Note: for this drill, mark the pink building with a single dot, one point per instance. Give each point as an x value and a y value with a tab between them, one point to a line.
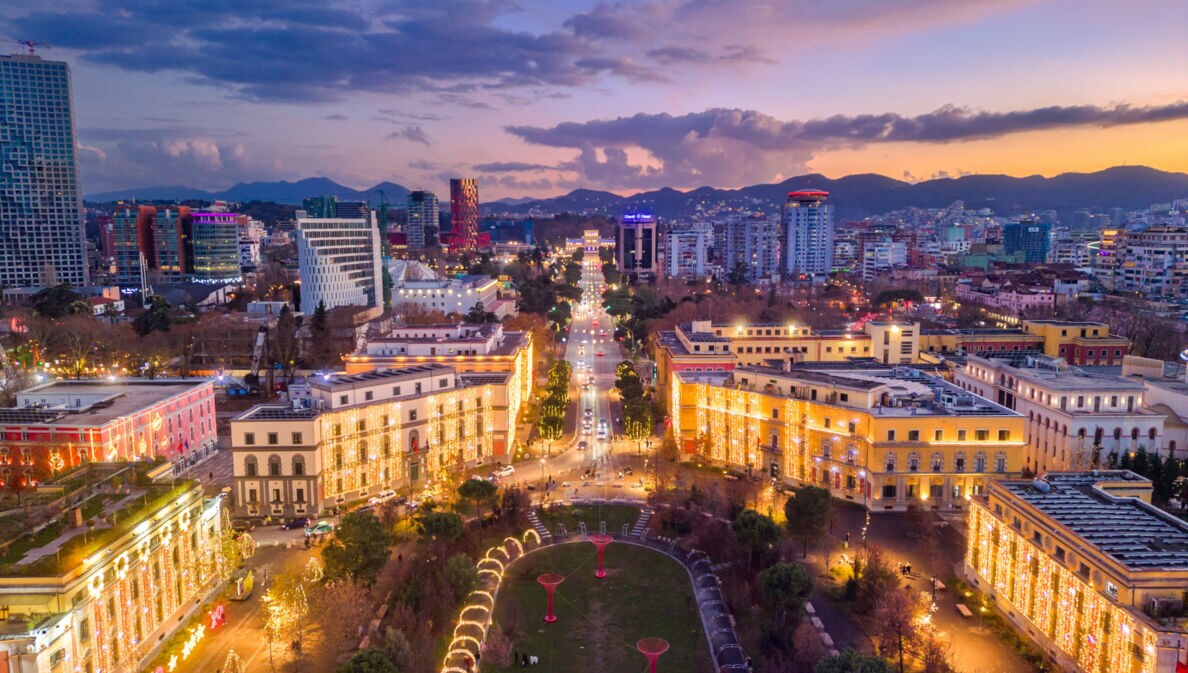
62	424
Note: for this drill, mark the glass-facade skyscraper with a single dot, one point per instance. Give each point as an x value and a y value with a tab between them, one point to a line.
464	210
422	219
1030	237
42	235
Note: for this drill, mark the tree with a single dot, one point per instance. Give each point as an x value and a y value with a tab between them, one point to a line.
285	609
359	549
755	532
808	513
852	662
478	492
876	578
550	427
785	587
461	574
888	297
319	321
55	301
395	644
479	314
738	274
350	604
286	345
440	526
896	626
370	660
156	316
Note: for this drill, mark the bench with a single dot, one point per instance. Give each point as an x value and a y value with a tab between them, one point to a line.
964	610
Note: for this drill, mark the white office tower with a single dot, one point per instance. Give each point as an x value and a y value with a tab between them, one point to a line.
685	252
339	261
754	243
421	227
808	235
42	238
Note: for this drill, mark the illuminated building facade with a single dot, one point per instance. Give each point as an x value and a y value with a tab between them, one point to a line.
1079	343
350	436
888	437
707	346
808	235
339	261
111	612
1083	565
469	349
464	213
215	243
636	246
60	425
421	226
1075	420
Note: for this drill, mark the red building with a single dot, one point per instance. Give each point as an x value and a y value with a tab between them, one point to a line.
464	212
62	424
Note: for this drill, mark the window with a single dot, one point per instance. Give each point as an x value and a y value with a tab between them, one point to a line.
1004	435
913	435
890	462
395	391
274	466
300	495
961	435
844	397
276	495
890	435
889	491
252	495
775	413
938	435
84	630
959	462
938	461
367	396
827	422
1037	537
337	429
249	438
362	452
412	414
297	438
913	462
981	435
343	399
417	388
980	462
299	466
1000	462
273	438
250	467
442	383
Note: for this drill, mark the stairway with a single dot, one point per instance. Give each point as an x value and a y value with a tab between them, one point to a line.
641	524
539	527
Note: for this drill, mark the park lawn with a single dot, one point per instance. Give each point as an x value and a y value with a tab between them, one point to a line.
614	516
600	620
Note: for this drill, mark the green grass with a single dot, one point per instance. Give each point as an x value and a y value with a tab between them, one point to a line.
614	516
646	594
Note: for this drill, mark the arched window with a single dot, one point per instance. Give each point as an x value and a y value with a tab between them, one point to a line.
299	465
362	452
891	460
1134	434
1151	434
250	467
1171	448
959	461
980	461
913	462
826	449
1098	434
938	461
851	454
1117	434
274	465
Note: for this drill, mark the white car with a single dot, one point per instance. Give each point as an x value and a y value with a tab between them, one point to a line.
505	471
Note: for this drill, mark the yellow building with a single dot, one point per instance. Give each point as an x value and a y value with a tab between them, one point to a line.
346	437
1082	564
109	612
468	348
886	437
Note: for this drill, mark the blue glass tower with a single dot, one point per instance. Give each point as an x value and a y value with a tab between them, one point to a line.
42	234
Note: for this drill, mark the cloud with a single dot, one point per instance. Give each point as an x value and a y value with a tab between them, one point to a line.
335	118
731	146
510	167
197	162
413	133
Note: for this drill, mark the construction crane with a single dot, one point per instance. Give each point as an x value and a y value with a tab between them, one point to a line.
30	45
253	377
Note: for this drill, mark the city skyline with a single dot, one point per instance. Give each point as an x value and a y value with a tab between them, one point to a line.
551	97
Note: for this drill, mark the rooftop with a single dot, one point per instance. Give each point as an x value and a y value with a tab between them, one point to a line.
1132	532
91	402
343	381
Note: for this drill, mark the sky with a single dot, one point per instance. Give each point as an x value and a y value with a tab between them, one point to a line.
539	98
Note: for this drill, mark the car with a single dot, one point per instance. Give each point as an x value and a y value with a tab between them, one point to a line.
583	445
600	353
243	526
299	522
602	333
320	528
587	430
381	497
589	413
505	471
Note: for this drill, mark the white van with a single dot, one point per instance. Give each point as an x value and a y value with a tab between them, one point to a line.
505	471
381	497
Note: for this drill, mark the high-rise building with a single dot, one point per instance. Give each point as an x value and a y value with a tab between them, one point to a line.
1153	262
162	235
808	234
42	234
215	240
339	262
464	210
1031	237
754	243
881	256
685	252
635	245
421	226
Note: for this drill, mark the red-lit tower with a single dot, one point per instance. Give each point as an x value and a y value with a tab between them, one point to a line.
464	213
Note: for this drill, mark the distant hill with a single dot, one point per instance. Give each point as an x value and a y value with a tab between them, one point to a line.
857	196
853	196
284	192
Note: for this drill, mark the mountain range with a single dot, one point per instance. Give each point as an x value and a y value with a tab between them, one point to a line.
854	196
